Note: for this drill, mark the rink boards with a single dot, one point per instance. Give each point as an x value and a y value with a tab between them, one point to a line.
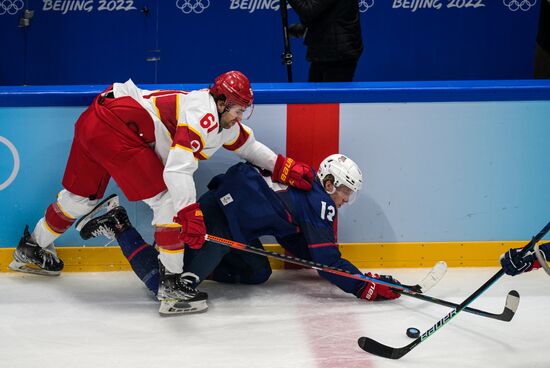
452	169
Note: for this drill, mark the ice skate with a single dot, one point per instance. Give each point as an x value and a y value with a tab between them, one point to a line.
29	257
177	294
102	207
109	224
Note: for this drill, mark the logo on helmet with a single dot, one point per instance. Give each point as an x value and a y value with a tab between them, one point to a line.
344	171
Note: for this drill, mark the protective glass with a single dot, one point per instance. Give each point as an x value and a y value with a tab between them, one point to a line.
242	113
346	193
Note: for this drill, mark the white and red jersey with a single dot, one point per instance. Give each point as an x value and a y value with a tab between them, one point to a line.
186	130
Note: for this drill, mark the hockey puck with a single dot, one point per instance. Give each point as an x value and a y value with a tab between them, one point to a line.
413	333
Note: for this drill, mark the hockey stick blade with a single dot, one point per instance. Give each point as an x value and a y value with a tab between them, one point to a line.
377	348
374	347
433	277
512	303
510	307
384	351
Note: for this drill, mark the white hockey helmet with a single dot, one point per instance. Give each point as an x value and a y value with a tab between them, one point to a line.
344	170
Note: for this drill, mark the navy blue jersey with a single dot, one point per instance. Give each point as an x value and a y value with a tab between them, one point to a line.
302	222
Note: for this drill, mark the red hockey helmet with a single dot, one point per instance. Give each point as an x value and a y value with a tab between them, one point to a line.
235	86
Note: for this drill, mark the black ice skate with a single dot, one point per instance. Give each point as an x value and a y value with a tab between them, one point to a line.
110	224
102	208
178	295
29	257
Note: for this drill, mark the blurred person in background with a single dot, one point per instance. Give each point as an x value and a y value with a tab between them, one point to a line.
542	52
332	34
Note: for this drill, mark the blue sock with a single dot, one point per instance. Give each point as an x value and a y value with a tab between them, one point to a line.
142	257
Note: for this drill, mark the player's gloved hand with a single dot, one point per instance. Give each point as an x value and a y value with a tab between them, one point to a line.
293	173
371	291
514	263
297	30
192	225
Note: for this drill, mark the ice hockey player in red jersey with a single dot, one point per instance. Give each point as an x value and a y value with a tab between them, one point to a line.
150	142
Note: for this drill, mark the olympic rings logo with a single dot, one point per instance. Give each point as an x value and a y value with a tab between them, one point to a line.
365	5
515	5
11	6
192	6
16	163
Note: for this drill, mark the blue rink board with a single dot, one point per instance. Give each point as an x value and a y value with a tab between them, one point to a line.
270	93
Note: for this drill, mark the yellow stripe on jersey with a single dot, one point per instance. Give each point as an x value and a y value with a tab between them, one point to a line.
168	225
178	108
157	111
47	227
241	139
162	250
174	146
193	130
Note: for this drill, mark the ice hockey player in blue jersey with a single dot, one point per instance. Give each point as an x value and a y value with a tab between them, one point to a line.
243	205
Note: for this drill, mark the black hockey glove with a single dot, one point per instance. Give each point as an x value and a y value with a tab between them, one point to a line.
514	263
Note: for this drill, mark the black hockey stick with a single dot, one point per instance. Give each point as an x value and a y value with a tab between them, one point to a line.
512	300
287	54
374	347
433	277
510	307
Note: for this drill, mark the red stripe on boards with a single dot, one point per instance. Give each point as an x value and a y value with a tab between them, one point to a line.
312	133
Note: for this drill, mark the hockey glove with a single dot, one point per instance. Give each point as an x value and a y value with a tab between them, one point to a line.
293	173
371	291
514	263
192	225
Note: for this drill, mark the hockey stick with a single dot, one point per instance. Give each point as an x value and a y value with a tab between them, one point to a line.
433	277
510	307
374	347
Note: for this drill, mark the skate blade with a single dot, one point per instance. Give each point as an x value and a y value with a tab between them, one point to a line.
175	307
106	205
32	269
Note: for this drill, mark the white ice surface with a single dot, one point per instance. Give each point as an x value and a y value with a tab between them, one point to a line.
100	320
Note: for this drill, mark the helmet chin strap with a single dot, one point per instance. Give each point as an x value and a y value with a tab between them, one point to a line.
220	114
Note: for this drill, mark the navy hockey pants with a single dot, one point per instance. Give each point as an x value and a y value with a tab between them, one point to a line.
222	263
